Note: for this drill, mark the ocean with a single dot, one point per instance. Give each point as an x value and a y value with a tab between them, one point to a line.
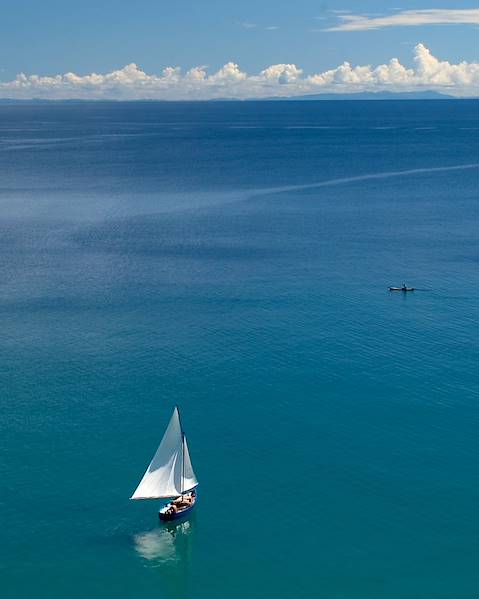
234	258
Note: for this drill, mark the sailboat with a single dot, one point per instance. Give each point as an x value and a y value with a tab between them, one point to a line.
170	474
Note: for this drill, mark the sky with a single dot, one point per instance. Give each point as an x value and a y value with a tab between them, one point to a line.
213	49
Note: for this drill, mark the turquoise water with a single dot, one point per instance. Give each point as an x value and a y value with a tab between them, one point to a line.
234	258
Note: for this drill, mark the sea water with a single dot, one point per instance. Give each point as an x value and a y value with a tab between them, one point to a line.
235	258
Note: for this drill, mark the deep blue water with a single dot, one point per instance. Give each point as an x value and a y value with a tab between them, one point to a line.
234	258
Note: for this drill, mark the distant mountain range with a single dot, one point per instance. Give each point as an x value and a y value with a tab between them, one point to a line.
424	95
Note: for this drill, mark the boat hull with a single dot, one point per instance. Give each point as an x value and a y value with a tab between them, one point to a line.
176	515
401	289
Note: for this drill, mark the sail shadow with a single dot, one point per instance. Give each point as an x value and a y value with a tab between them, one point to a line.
167	544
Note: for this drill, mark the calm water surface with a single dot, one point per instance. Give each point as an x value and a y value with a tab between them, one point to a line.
234	258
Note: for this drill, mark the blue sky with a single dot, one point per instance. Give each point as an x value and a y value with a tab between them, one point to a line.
52	37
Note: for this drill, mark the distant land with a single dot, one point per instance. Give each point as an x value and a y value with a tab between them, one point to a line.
425	95
385	95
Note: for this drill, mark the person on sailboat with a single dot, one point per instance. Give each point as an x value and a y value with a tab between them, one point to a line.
182	500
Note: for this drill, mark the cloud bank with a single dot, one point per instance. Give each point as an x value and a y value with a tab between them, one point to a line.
279	80
408	18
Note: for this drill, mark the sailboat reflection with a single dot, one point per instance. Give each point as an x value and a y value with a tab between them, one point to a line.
169	543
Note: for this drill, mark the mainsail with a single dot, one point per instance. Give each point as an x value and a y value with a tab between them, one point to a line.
170	472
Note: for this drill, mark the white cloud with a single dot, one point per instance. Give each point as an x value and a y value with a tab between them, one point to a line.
248	25
432	16
282	73
284	80
229	73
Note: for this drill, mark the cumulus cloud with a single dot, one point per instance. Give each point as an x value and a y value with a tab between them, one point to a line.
282	73
284	80
432	16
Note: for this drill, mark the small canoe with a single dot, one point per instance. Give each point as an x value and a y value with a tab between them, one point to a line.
401	289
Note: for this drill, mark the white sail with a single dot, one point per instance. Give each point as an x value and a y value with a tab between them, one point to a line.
189	480
163	477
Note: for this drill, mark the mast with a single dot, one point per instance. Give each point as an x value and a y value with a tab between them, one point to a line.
182	452
183	457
